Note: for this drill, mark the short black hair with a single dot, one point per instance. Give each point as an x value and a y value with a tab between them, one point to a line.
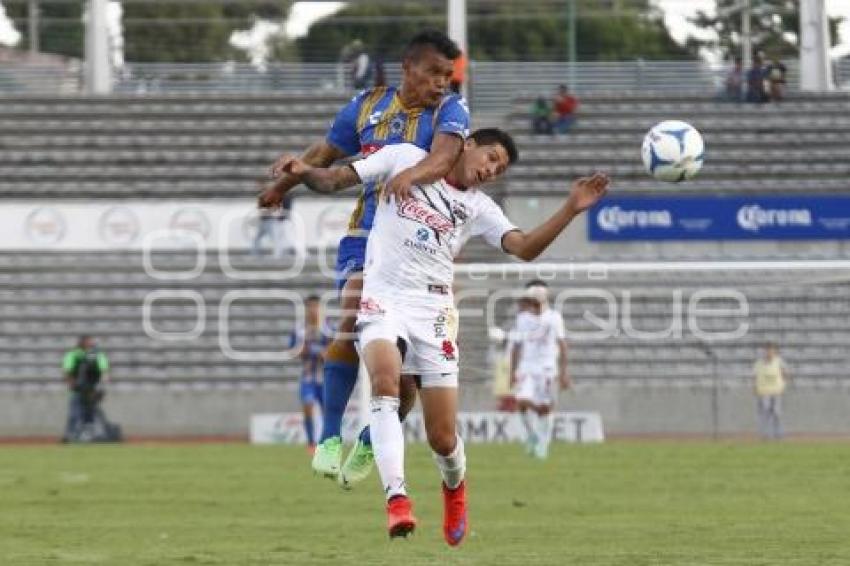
493	136
432	39
311	298
536	283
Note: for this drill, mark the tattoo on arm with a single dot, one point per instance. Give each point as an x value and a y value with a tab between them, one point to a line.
330	180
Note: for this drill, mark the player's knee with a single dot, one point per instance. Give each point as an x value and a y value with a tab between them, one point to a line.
442	440
347	322
384	382
342	352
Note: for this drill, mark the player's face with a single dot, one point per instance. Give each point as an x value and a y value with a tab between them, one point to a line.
483	163
427	76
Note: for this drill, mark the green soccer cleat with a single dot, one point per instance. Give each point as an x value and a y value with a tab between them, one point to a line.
357	466
327	457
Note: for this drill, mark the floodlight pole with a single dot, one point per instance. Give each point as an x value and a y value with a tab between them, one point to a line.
573	45
815	65
98	67
457	31
32	12
746	35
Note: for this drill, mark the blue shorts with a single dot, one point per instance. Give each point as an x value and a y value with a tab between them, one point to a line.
350	259
311	392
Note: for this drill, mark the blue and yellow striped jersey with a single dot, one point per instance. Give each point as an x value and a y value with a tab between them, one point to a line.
375	118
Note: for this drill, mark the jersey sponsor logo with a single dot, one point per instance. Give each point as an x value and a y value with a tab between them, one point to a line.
440	324
420	212
397	125
419	246
438	290
422	234
460	211
448	350
370	306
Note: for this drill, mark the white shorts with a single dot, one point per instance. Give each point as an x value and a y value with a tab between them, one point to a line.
537	387
427	334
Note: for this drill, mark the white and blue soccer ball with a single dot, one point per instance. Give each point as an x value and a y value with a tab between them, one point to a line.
673	151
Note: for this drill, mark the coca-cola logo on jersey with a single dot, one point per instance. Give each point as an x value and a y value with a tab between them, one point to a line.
418	211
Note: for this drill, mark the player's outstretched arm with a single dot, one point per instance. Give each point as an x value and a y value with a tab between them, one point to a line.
320	154
445	150
584	193
321	180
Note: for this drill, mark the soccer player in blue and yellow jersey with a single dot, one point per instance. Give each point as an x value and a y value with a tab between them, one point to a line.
311	341
420	112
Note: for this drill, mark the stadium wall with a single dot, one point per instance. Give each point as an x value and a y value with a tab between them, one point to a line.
646	408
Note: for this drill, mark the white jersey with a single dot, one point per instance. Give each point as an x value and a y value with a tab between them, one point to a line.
538	337
413	244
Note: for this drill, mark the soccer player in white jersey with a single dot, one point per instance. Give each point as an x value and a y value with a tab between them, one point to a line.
538	365
407	323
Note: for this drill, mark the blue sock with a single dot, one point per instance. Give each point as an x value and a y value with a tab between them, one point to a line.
310	430
339	381
365	437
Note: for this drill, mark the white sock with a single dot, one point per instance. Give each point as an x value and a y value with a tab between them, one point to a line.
388	444
528	418
545	435
453	466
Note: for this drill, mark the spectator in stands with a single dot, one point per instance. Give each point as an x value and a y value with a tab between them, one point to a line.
734	82
566	106
771	376
755	82
458	73
775	76
86	370
541	117
361	67
312	340
272	224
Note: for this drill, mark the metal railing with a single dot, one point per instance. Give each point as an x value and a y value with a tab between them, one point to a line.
39	78
492	84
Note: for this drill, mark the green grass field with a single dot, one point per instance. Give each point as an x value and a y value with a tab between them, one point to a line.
624	504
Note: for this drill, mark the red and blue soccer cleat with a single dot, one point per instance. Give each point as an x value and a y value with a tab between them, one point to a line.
455	523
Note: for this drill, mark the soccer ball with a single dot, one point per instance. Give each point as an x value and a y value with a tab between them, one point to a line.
673	151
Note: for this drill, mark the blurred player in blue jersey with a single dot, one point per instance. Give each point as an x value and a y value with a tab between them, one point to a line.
311	340
420	112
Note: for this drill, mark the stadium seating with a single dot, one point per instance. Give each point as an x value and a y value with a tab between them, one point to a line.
47	300
798	145
184	146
